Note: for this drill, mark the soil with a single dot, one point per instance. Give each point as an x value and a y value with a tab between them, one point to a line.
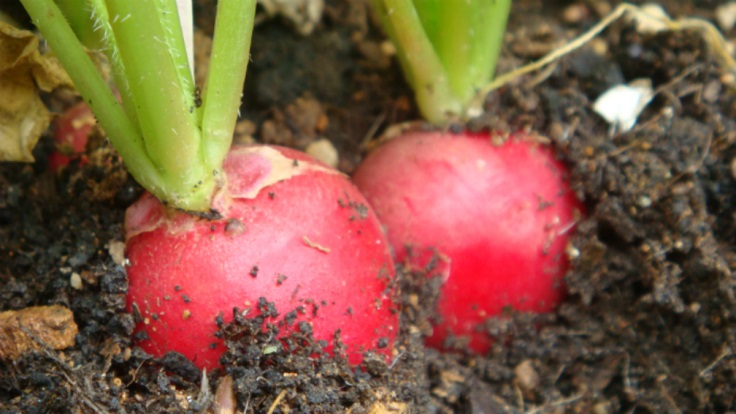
649	325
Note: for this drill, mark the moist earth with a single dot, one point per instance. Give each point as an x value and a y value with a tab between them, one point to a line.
649	323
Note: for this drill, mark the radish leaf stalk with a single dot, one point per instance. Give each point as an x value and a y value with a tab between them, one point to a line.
221	98
448	49
464	207
172	147
78	15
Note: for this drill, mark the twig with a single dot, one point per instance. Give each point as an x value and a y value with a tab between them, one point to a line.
628	388
247	404
726	353
135	374
371	133
276	402
666	394
519	397
396	360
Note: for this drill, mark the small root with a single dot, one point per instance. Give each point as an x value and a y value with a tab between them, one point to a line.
276	402
314	245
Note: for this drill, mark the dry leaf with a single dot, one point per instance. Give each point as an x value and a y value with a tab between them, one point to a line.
23	69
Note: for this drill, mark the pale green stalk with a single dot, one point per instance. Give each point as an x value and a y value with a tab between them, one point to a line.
78	15
186	18
448	49
228	64
101	25
170	146
121	132
151	65
421	64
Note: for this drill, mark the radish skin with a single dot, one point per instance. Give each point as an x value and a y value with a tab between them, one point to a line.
71	133
294	231
493	220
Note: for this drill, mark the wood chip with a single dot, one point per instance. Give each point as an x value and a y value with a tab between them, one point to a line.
225	402
31	328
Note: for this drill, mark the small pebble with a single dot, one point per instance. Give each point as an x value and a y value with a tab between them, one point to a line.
117	252
388	48
622	104
726	15
575	13
526	376
602	408
650	18
244	131
76	281
712	91
644	201
324	151
728	78
599	46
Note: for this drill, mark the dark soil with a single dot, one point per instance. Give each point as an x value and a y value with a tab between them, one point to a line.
650	322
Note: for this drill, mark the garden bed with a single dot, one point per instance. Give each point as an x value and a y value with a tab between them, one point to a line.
648	326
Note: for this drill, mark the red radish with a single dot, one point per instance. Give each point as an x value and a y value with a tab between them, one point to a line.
71	133
497	218
294	231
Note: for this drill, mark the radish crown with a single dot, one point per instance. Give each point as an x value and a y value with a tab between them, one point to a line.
447	48
172	143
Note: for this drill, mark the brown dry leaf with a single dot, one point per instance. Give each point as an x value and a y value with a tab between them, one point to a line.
23	69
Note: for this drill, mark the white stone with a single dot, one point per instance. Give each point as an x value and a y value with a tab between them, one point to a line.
621	105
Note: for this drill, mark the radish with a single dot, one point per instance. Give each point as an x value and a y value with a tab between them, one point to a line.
465	209
71	133
492	220
293	230
282	226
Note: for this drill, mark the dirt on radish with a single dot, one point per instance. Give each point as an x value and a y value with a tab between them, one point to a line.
648	325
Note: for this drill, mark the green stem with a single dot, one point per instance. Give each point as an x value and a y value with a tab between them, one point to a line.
101	23
228	64
173	149
171	24
448	49
170	131
420	62
121	132
453	43
486	47
78	15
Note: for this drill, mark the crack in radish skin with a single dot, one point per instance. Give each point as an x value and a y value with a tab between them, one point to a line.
267	166
258	166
